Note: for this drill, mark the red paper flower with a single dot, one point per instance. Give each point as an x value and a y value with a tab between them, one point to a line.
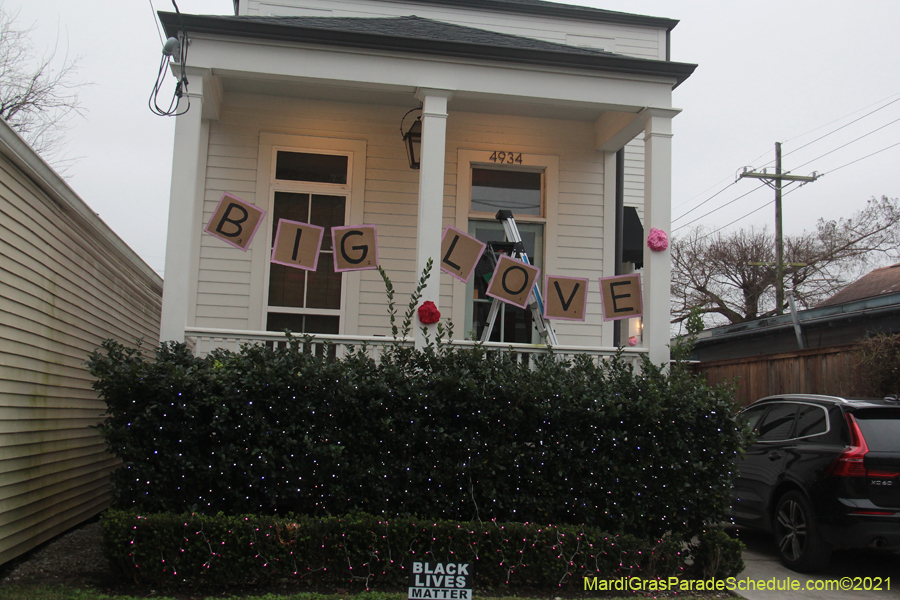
657	240
428	313
632	341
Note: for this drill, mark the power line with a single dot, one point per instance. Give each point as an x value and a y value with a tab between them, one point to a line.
842	118
863	158
848	143
843	126
804	164
705	201
162	42
755	210
719	208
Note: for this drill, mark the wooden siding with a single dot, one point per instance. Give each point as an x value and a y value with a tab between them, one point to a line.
640	42
62	292
831	371
391	203
634	175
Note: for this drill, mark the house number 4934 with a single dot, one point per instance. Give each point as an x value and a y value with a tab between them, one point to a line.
506	157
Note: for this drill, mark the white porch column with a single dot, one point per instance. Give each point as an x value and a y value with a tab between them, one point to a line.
658	214
431	196
188	177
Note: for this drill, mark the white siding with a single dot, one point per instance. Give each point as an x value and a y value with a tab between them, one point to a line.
63	290
634	175
391	203
640	42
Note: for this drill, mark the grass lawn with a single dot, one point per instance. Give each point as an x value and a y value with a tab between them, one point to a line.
61	592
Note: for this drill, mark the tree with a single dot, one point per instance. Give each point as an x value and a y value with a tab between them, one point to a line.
730	278
36	98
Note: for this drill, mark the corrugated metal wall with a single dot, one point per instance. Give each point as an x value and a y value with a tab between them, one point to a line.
64	288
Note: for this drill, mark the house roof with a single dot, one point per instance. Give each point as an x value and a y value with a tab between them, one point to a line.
24	157
550	9
879	282
423	36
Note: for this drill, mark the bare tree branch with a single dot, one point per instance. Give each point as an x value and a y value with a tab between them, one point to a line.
730	278
38	97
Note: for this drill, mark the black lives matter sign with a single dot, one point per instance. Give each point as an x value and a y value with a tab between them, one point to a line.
441	581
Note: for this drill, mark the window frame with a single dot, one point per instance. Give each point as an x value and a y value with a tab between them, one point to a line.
267	185
793	429
469	158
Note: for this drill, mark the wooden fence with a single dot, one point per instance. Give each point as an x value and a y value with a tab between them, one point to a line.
832	371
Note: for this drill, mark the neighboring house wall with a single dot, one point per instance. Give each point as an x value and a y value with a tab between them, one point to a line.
66	284
227	295
639	42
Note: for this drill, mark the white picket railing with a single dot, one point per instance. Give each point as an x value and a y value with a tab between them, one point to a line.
204	339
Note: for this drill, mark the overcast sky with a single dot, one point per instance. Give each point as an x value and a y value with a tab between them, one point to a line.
786	70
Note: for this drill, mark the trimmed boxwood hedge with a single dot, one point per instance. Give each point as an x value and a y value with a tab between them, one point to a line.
445	433
366	552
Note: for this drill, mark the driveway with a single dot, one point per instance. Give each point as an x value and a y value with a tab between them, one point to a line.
761	563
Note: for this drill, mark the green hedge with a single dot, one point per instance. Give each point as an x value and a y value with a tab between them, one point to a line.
366	552
445	434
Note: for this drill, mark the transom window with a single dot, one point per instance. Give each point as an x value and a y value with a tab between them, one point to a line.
304	166
518	191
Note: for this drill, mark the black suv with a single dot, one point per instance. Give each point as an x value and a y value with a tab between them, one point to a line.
823	473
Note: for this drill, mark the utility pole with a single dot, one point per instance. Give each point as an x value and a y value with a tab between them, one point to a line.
775	182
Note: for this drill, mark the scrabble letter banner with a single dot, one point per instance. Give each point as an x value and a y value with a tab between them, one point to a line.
621	296
512	281
565	298
297	244
355	248
235	221
460	253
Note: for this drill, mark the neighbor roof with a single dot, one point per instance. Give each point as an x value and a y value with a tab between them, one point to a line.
422	36
879	282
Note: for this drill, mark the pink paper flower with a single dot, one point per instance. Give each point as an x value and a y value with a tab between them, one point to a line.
632	341
428	313
657	240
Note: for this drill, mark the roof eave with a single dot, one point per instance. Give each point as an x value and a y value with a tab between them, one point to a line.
228	26
565	11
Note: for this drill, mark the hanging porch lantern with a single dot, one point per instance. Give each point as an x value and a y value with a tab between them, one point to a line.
412	137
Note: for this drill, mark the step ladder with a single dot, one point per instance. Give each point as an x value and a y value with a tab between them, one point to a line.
513	247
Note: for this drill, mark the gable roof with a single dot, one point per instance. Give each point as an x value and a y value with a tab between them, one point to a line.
550	9
879	282
418	35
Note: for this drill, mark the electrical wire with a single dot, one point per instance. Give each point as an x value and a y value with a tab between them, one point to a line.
704	202
181	87
804	164
863	158
719	208
844	117
843	126
162	42
755	210
848	143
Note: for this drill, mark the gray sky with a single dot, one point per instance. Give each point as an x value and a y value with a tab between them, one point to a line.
786	70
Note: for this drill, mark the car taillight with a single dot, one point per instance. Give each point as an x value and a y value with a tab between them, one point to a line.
850	462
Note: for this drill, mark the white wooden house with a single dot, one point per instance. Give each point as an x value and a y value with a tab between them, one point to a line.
296	107
67	282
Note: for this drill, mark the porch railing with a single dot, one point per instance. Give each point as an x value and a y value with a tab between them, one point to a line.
203	340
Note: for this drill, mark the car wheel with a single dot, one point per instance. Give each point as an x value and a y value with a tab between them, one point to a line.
797	535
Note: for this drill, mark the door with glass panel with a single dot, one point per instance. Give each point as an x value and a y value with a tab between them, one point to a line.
521	192
299	300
